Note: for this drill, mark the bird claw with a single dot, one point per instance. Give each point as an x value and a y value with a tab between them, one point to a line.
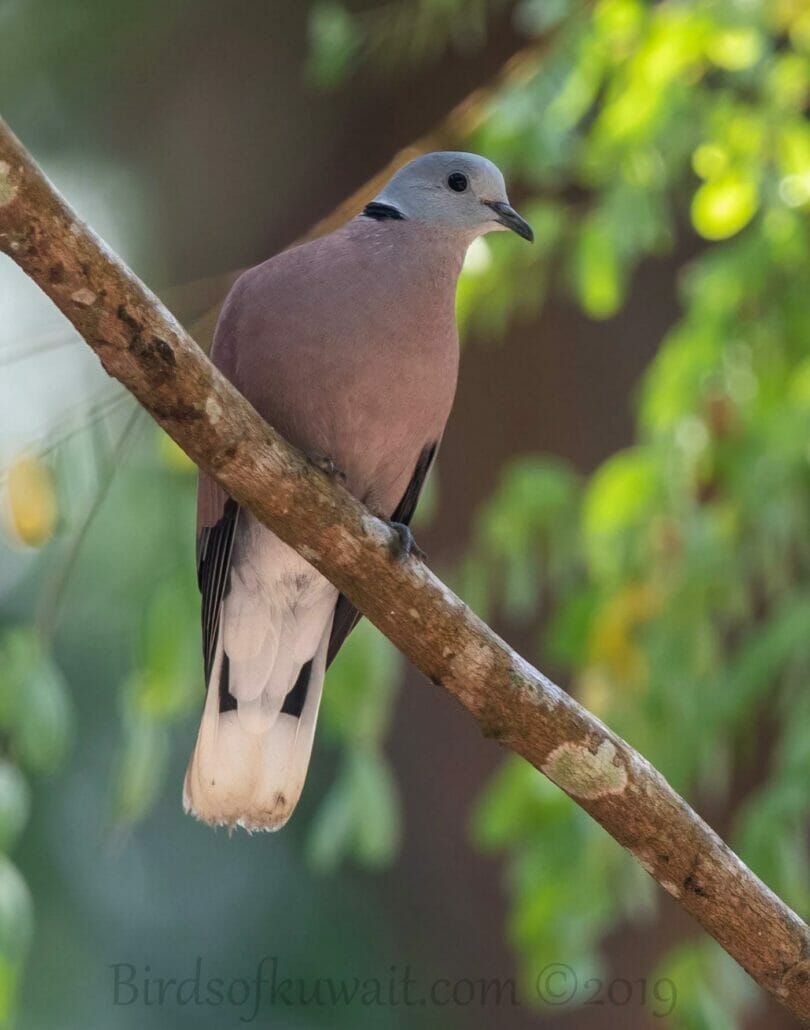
327	466
404	545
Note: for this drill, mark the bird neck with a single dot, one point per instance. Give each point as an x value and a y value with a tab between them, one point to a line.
415	248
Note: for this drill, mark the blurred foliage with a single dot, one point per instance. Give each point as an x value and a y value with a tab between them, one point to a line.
34	735
393	33
359	817
671	586
106	35
712	990
679	569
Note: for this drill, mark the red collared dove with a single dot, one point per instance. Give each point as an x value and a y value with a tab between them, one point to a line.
348	346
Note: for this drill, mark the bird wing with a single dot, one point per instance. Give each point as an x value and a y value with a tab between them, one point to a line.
214	547
346	615
215	544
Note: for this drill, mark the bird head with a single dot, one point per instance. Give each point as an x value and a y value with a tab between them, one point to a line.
456	191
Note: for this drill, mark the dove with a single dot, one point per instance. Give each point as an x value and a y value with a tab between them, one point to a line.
348	346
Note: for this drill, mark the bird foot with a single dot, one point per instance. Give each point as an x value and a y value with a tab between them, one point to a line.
327	466
404	545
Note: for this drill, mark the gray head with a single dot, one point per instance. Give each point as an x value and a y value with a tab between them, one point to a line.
456	191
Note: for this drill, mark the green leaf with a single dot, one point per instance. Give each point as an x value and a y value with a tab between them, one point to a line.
330	833
517	803
598	275
619	501
170	678
376	803
723	206
142	767
705	988
359	817
34	702
735	48
15	803
334	43
362	683
16	929
754	669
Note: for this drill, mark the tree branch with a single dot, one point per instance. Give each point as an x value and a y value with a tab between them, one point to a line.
140	343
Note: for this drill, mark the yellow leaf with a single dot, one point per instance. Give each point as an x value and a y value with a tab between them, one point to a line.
32	507
595	692
613	647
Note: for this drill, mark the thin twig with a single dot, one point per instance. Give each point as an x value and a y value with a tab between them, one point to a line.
11	354
53	596
68	427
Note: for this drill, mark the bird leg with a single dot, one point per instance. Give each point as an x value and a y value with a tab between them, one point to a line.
327	466
405	545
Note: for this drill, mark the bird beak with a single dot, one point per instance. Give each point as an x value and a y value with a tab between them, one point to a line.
510	219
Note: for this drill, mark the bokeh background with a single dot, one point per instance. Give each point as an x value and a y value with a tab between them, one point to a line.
623	491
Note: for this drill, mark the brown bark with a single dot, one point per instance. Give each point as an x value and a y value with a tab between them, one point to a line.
141	344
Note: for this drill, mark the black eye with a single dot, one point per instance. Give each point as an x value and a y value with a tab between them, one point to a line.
457	182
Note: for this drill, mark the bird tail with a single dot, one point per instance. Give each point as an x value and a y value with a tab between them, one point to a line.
255	738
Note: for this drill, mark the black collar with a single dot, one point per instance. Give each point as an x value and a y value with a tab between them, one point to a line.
381	212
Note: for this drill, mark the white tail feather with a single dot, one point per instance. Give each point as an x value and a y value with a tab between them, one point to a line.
249	763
